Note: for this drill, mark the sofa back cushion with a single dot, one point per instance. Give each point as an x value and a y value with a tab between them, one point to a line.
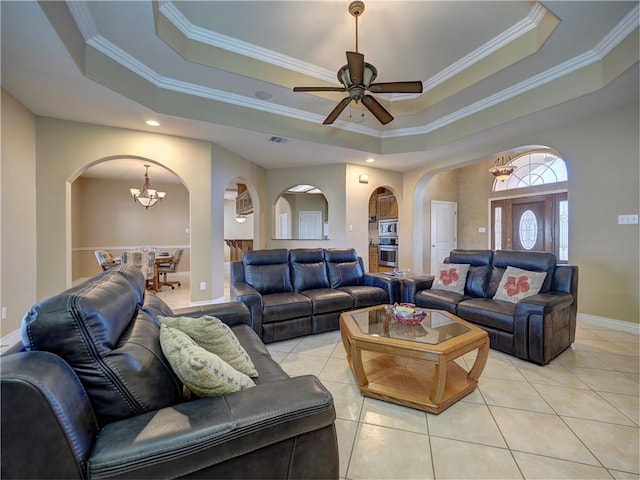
98	328
308	269
479	262
531	261
344	267
268	270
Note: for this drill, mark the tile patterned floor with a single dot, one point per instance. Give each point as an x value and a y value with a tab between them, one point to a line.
576	418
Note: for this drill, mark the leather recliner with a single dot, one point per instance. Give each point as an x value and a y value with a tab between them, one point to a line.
291	293
89	394
536	329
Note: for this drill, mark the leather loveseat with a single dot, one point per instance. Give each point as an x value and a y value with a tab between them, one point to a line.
297	292
537	328
90	394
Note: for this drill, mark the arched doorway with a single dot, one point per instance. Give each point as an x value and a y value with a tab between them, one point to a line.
105	216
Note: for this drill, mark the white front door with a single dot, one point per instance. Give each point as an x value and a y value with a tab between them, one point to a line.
309	225
444	231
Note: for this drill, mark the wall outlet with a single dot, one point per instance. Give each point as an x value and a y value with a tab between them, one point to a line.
4	313
627	219
482	230
203	286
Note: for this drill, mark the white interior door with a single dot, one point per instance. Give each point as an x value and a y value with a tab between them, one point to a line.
283	226
309	225
444	231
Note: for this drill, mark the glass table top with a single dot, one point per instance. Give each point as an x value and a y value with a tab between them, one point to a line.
436	327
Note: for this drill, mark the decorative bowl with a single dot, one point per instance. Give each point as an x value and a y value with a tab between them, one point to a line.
406	313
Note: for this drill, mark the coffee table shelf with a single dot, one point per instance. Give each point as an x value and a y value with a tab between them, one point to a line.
388	364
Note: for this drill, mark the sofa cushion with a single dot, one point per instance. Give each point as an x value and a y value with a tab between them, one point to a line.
203	372
532	261
283	306
114	347
308	269
438	300
215	337
517	284
366	296
344	267
479	270
268	270
326	300
488	312
451	277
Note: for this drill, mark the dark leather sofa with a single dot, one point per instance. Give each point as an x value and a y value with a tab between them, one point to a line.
89	394
297	292
536	329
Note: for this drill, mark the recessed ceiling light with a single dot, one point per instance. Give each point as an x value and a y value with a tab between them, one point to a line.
262	95
370	160
152	123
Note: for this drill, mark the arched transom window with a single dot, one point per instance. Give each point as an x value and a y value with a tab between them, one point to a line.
533	168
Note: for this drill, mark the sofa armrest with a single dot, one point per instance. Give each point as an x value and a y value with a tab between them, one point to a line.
544	326
245	293
231	313
413	285
388	283
48	425
194	436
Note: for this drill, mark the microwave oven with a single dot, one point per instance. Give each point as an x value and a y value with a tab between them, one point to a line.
388	228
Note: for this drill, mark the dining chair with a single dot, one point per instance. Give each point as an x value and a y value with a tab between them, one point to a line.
170	267
106	260
144	260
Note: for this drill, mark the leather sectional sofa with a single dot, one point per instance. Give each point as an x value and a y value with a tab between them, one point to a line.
297	292
537	328
90	394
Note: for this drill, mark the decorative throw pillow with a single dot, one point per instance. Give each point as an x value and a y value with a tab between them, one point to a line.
451	277
216	337
204	373
517	284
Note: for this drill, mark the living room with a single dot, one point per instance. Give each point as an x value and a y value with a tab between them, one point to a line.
596	134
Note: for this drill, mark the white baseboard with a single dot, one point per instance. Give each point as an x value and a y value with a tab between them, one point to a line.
10	340
597	321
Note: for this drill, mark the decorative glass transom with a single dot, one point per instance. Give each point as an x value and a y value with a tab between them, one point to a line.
534	168
528	230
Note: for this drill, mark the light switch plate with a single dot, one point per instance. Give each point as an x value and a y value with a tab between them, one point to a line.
627	219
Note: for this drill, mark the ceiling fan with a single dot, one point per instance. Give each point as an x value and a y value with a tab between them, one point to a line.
356	77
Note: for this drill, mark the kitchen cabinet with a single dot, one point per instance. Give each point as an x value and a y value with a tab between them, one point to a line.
373	258
244	202
387	206
373	209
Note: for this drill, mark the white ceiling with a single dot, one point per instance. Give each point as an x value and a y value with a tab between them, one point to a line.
488	69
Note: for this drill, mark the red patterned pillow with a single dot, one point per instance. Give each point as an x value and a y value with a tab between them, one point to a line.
451	277
517	284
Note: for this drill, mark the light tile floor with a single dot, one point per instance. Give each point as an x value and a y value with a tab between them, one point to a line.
577	417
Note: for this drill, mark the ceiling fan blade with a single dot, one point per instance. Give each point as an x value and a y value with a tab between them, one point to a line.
396	87
378	110
337	111
319	89
355	61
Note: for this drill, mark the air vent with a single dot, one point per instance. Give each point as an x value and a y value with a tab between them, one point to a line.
278	140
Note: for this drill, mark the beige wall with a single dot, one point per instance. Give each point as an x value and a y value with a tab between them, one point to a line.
602	155
17	212
106	218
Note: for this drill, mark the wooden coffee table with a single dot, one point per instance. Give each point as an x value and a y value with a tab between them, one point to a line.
413	365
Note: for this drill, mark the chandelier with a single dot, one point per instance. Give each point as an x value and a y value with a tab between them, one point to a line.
147	196
503	168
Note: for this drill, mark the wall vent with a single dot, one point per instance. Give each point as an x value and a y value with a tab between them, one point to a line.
278	140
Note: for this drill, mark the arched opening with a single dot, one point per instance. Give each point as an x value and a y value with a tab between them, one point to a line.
105	216
238	225
530	209
383	230
540	175
301	212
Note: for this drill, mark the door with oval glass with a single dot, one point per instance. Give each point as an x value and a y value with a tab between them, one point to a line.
531	223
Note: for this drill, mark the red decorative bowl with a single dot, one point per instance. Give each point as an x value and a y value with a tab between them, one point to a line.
406	313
